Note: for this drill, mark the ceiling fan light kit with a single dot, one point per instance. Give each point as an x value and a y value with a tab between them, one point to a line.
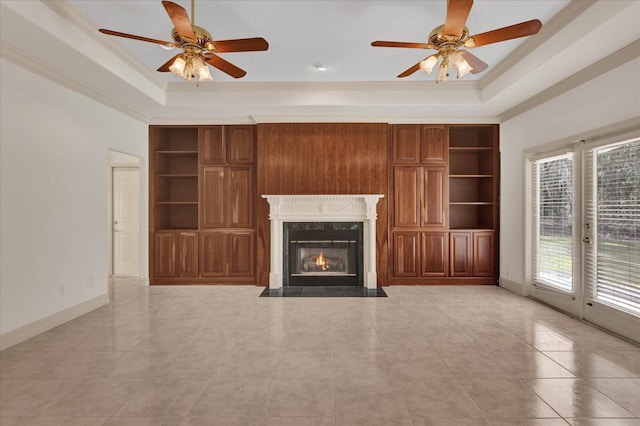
198	48
450	38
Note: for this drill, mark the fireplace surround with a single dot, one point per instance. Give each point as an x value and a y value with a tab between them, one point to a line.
351	208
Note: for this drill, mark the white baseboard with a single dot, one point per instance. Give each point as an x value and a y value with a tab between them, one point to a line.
513	286
28	331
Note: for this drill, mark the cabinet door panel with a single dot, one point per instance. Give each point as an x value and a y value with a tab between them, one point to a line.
434	197
406	256
213	250
406	144
433	145
187	254
240	197
164	254
435	254
407	187
213	203
461	256
212	148
240	254
240	144
483	254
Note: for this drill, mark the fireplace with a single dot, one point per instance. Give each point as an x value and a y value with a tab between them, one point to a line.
323	213
322	253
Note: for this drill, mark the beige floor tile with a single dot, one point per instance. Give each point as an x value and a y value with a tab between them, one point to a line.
588	364
31	397
576	398
66	421
450	422
98	397
370	421
163	398
516	401
476	364
550	341
528	422
136	365
406	341
438	398
369	397
307	341
297	421
230	397
624	392
300	397
248	364
629	360
427	365
361	364
604	422
531	365
143	421
218	421
355	340
305	364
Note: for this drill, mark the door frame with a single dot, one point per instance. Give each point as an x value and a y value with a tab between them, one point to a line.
110	197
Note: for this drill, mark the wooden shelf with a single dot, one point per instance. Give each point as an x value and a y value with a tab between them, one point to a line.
164	175
177	203
470	176
171	152
470	149
471	203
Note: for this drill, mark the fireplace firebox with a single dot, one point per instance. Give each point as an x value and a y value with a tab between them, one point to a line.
323	254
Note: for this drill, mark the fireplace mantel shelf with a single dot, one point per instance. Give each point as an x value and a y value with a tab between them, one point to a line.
323	208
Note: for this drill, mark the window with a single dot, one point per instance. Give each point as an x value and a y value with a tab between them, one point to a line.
612	180
553	215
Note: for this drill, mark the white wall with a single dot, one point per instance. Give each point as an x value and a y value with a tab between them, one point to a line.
54	195
604	101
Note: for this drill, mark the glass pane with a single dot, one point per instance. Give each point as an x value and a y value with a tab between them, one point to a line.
618	219
555	212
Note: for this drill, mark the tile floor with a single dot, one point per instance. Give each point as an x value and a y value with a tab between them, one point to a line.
224	356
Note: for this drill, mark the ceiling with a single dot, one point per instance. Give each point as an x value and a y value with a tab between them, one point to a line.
303	33
59	40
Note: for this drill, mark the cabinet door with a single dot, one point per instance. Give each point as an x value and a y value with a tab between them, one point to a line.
435	254
406	143
164	254
433	145
461	256
240	254
240	144
213	254
434	197
211	145
239	198
212	200
187	254
406	256
407	188
483	254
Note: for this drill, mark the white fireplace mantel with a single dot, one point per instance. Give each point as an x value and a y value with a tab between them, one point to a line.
323	208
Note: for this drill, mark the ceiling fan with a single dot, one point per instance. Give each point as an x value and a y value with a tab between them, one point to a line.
198	48
450	38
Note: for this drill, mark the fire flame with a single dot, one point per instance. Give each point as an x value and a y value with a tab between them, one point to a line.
322	261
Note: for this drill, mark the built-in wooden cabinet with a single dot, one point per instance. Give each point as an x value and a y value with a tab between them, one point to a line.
444	203
202	179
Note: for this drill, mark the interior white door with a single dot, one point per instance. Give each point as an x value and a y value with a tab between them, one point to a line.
126	190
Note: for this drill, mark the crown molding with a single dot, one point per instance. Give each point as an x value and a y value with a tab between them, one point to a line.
84	24
549	29
616	59
42	69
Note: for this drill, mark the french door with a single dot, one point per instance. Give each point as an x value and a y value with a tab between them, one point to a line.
586	232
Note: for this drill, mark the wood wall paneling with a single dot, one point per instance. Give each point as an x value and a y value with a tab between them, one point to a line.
321	158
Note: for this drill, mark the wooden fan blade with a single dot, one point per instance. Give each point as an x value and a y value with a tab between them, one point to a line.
166	65
477	65
457	13
402	44
522	29
226	67
135	37
410	70
180	20
241	45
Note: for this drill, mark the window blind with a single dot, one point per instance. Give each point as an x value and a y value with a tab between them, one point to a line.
553	221
612	209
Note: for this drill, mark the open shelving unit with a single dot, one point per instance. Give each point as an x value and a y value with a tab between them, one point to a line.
472	176
175	164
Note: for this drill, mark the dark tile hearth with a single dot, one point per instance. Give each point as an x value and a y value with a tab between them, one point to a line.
320	291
